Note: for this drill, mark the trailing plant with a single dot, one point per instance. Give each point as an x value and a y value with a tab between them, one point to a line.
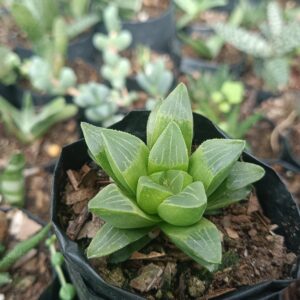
96	100
115	68
9	65
67	290
12	182
30	123
163	185
270	48
219	97
193	8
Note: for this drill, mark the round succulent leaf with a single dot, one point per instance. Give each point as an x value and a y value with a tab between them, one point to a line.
123	40
121	155
175	180
201	241
100	41
150	194
176	107
169	151
119	210
185	208
109	239
212	161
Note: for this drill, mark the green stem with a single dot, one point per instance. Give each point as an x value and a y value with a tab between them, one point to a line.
22	248
57	268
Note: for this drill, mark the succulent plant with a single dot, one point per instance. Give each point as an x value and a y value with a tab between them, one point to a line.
270	48
12	182
29	123
9	65
162	184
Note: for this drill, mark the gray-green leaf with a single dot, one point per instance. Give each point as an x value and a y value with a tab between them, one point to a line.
212	161
109	239
201	241
118	210
185	208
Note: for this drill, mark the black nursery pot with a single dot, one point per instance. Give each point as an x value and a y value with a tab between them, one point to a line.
9	93
156	33
276	201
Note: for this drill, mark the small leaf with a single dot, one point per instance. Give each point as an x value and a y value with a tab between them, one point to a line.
243	174
175	180
169	151
201	241
150	194
186	208
223	197
121	155
118	210
212	161
109	240
176	107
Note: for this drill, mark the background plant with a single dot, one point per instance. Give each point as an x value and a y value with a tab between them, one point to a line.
30	123
219	97
270	48
12	181
163	185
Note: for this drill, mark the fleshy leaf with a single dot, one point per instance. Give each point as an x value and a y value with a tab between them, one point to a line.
175	180
213	160
150	194
169	151
121	155
118	210
223	197
186	208
243	174
176	107
109	239
201	241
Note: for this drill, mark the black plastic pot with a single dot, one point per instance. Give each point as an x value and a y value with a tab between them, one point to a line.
8	92
157	33
276	201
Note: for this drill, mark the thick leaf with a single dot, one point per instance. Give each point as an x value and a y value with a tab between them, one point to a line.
213	160
121	155
175	180
118	210
275	20
169	151
201	241
186	208
109	240
243	174
176	107
223	197
150	194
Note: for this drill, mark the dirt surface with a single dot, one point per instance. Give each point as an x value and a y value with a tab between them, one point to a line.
152	9
252	252
32	273
84	71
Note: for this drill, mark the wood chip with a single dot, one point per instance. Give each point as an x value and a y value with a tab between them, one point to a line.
139	256
83	194
3	226
253	204
90	229
75	226
72	175
232	233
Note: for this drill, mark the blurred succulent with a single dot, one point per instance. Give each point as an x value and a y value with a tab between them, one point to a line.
96	100
193	8
270	48
219	97
155	78
12	182
9	65
28	123
162	185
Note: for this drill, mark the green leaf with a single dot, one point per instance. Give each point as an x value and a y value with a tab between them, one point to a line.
121	155
212	161
223	197
118	210
275	20
243	174
109	240
169	151
201	241
176	107
175	180
150	194
186	208
5	279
